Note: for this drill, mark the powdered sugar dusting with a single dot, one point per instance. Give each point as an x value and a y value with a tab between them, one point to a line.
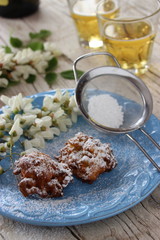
105	110
42	175
87	156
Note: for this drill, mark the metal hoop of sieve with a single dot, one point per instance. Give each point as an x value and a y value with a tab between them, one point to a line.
127	88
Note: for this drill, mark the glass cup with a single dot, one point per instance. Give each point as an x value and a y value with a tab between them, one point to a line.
130	35
83	13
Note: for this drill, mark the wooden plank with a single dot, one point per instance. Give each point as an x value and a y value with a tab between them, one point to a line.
19	231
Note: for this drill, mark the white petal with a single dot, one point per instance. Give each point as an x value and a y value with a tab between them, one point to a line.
55	131
16	127
3	82
74	117
44	121
38	142
62	125
58	113
27	144
4	99
2	122
46	134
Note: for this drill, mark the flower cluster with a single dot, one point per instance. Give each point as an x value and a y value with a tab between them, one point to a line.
24	63
21	118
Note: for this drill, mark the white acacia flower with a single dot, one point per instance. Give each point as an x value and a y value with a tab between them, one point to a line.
2	123
38	59
6	117
16	131
5	99
75	110
22	72
47	56
40	56
65	97
47	134
7	141
38	142
24	56
6	112
62	125
55	131
26	104
61	97
73	104
16	76
45	113
3	149
58	95
43	122
33	130
8	126
49	104
41	66
68	122
32	111
17	103
51	47
74	117
3	82
37	123
28	56
25	119
6	59
27	145
2	51
58	113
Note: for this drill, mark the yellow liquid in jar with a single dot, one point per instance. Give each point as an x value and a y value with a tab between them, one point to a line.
84	15
130	43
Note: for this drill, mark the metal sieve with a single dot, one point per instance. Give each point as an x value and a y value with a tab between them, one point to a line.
129	91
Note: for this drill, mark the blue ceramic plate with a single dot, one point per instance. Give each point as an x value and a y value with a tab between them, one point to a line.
130	182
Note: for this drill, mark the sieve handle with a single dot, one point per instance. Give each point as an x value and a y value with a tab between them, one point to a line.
91	55
143	150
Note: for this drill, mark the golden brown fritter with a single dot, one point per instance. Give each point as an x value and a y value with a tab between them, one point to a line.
87	157
40	174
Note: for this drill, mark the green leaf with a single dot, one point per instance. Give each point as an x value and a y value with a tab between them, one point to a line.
16	42
43	34
70	75
50	78
33	35
10	84
7	49
31	78
36	46
52	64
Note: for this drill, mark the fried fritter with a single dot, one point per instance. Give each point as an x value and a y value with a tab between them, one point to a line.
40	174
87	157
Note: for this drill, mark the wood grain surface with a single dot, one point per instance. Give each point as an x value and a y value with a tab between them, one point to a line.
142	221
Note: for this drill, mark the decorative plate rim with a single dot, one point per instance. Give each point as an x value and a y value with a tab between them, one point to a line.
96	217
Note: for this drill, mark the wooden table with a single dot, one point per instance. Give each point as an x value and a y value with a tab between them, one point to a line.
141	221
